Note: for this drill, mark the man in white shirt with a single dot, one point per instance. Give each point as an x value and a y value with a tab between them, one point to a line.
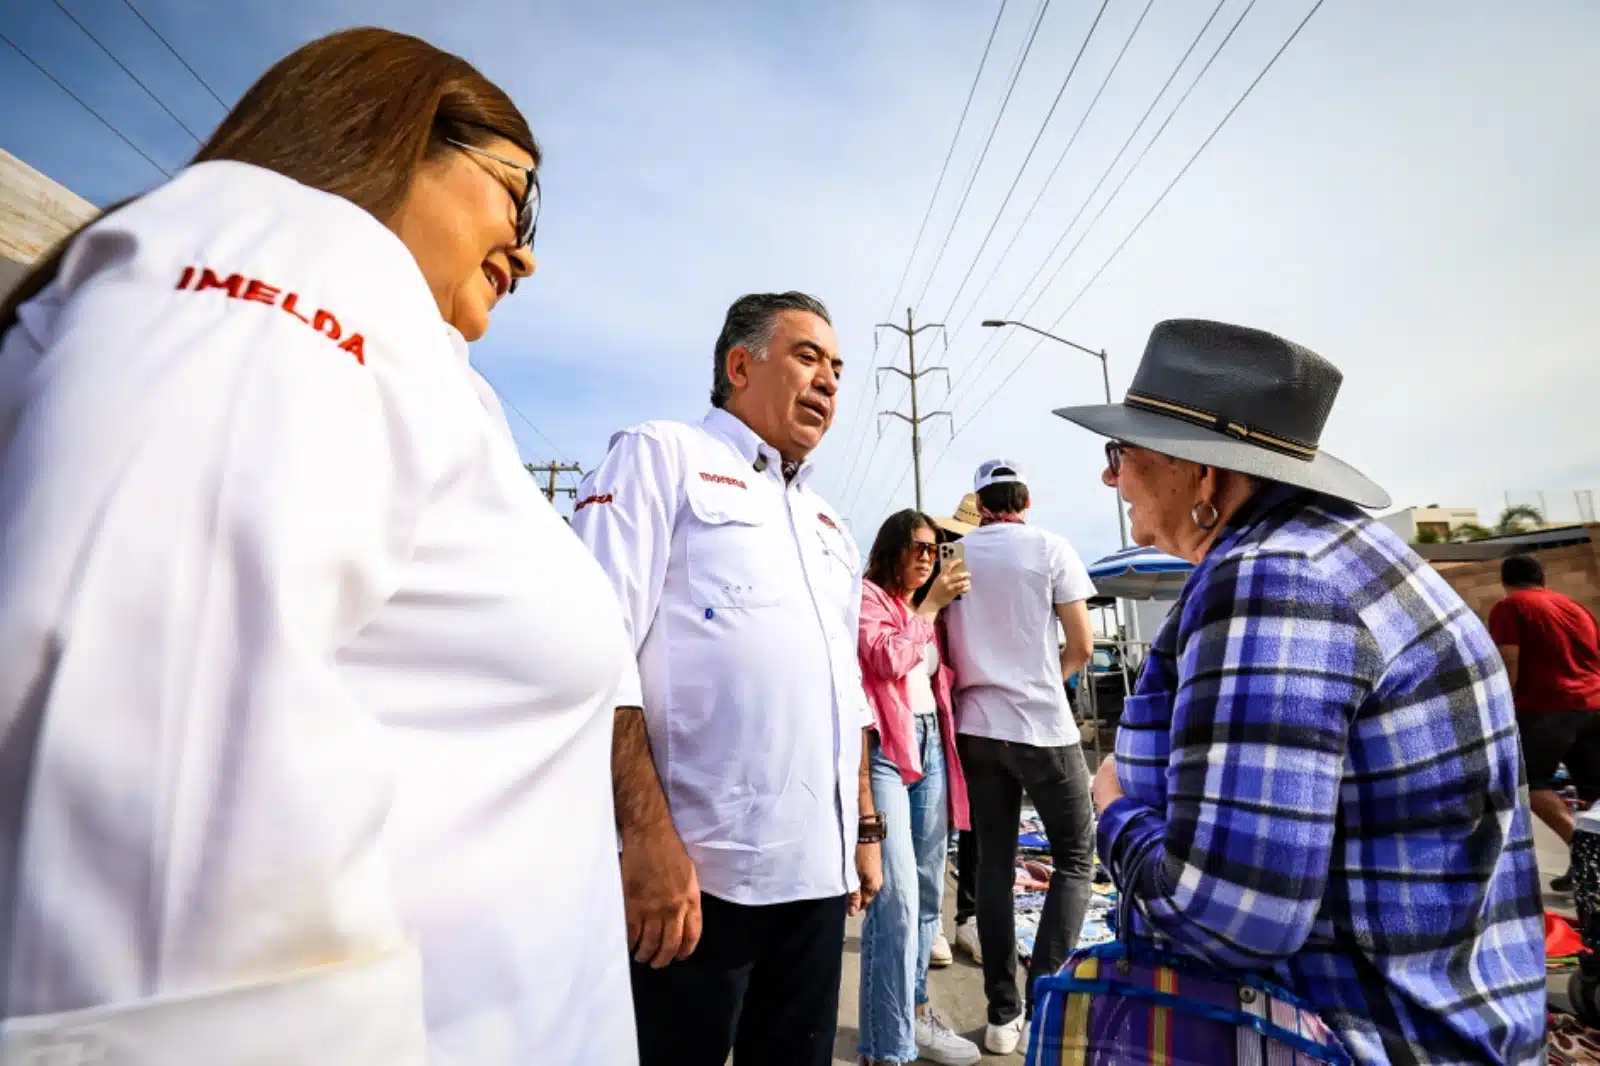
1016	733
744	805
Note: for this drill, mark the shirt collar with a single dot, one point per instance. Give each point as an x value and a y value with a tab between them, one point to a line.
458	343
750	446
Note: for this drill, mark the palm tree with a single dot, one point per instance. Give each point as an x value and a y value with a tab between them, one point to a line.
1469	531
1514	518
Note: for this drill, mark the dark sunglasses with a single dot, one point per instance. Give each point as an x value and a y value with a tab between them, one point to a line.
1114	456
527	203
921	549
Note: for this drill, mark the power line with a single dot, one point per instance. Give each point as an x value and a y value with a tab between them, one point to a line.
102	119
948	156
1016	73
979	362
1005	203
192	134
972	178
176	56
1062	158
1143	219
518	411
926	215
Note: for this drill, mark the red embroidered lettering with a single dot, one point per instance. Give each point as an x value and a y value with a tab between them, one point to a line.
261	293
209	280
722	479
256	291
290	302
825	520
586	501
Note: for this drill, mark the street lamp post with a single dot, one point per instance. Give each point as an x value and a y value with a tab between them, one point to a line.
1105	377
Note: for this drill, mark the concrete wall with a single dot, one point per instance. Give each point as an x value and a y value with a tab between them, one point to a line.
1573	570
35	214
11	272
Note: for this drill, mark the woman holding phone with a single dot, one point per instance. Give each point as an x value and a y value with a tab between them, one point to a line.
918	786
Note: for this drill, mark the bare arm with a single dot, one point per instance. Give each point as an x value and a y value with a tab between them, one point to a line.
864	787
641	804
1080	636
869	857
1512	654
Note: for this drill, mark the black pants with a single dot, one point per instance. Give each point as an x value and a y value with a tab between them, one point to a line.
1057	781
966	874
1551	738
764	984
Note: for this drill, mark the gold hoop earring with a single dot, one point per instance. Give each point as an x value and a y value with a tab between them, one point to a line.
1207	524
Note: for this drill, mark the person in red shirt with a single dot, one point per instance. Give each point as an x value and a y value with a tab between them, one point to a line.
1551	647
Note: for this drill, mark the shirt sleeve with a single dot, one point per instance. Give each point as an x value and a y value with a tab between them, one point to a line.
1505	624
625	514
237	508
1069	578
1272	667
889	648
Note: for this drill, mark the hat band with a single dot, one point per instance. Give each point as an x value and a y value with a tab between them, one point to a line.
1221	424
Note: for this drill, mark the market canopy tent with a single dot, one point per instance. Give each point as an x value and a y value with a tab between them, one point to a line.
1140	574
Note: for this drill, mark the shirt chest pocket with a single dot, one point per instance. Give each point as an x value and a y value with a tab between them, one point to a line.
729	550
1144	747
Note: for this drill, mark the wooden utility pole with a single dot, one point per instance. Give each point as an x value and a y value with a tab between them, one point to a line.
552	470
912	376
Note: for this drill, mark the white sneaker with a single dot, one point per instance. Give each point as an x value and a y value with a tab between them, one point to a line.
1003	1039
939	955
936	1043
967	940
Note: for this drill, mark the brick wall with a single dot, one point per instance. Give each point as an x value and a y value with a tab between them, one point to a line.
1574	570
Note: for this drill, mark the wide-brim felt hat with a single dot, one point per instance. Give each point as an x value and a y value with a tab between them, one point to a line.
1236	398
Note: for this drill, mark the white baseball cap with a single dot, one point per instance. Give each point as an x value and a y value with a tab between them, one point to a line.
998	472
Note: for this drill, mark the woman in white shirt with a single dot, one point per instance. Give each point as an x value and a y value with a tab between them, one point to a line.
917	787
305	691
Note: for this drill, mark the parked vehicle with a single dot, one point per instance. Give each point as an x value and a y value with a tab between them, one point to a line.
1105	666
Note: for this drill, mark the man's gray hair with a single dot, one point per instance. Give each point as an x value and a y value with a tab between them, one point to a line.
751	323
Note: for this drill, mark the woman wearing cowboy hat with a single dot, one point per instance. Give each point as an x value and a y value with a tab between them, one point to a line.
1319	773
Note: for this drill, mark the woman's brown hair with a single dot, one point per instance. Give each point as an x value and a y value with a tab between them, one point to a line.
889	548
355	114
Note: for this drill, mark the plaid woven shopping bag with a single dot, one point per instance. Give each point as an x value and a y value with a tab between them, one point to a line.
1127	1003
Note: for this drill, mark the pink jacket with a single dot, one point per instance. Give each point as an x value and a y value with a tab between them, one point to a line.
890	646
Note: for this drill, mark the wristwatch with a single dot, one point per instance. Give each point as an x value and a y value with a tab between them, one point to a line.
872	828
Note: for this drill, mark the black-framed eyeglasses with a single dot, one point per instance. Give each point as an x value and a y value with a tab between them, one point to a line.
527	203
1114	456
921	549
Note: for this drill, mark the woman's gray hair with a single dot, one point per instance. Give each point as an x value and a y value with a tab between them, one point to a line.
751	323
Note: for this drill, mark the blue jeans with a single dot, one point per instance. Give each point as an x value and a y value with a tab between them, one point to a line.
903	921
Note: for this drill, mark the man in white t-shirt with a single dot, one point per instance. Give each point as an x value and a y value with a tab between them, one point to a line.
1016	733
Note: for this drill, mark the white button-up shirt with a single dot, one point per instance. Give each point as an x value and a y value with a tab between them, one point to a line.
306	691
742	594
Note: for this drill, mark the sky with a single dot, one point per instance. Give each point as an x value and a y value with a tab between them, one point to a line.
1408	191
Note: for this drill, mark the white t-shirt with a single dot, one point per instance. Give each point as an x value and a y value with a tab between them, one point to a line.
1002	635
919	683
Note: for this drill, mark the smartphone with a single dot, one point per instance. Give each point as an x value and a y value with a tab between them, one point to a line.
951	554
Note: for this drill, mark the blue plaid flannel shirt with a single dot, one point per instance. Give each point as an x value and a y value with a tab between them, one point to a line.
1323	780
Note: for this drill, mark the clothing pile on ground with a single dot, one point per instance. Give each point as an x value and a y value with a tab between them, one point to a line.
1571	1043
1034	869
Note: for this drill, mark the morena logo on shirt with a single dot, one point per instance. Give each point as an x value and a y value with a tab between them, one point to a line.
722	479
587	500
825	520
239	287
